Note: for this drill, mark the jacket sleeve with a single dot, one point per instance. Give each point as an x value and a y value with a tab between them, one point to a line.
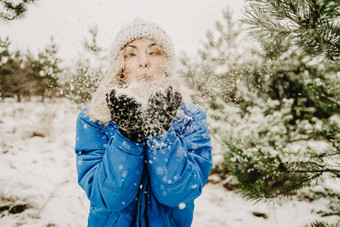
109	165
179	165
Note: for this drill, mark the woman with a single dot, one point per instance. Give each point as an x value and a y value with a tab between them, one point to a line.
143	150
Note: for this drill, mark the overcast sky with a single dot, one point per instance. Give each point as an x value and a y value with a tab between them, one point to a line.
186	21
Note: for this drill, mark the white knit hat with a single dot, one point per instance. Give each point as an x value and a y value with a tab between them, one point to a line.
140	28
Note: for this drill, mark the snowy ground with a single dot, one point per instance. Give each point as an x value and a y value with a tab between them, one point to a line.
38	182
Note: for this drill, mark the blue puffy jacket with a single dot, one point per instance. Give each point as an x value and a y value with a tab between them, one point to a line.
149	184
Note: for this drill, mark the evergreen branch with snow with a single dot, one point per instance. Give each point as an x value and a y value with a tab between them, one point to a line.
11	10
266	173
322	224
313	25
333	205
268	163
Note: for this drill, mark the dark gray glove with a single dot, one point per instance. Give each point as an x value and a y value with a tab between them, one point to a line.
127	114
162	108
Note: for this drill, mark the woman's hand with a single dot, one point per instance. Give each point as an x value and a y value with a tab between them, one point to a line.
162	108
127	114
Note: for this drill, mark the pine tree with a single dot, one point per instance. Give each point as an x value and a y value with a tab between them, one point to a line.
82	83
279	132
293	138
308	95
26	75
11	10
312	24
13	72
221	77
82	80
5	84
44	71
215	75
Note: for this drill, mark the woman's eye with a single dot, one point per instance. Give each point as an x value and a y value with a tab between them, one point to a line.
130	54
154	53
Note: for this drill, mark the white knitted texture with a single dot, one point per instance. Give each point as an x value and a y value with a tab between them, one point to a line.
140	28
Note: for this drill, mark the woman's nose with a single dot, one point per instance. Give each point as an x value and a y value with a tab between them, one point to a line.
143	61
144	65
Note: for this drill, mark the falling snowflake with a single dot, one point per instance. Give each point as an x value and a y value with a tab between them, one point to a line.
181	206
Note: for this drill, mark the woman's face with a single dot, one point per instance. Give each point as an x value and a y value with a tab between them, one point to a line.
143	61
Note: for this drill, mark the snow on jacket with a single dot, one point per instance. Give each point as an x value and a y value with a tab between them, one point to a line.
149	184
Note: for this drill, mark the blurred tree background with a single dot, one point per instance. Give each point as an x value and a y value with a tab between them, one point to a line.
273	107
25	75
11	10
81	81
